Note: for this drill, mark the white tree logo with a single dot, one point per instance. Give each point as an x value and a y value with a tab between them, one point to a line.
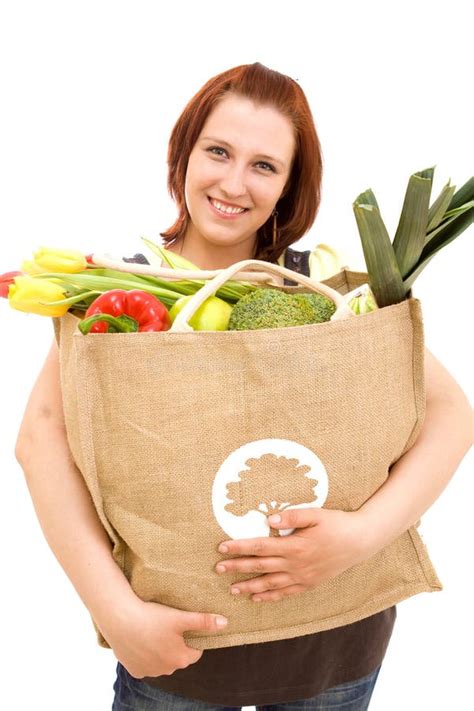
264	477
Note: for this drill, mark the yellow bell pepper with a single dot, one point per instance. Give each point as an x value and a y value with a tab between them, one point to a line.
34	296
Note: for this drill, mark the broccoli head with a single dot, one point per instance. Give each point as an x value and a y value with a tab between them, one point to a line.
323	308
272	308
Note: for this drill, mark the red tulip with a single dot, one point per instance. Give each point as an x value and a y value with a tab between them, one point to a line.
5	281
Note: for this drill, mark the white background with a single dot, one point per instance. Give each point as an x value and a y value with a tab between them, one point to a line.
89	94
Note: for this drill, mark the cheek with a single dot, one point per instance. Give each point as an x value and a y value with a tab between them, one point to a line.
195	181
200	173
266	194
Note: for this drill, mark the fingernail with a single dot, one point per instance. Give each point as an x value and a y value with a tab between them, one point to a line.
220	568
275	518
221	621
223	548
235	591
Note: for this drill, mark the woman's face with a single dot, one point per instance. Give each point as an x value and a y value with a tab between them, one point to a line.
242	159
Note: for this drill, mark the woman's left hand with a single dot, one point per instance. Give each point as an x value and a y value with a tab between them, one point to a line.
324	544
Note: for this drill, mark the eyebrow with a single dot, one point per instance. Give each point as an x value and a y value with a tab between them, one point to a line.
260	155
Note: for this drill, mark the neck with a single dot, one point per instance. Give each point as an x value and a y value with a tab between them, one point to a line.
212	256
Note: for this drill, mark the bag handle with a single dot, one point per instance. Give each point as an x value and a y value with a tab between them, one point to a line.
181	322
171	274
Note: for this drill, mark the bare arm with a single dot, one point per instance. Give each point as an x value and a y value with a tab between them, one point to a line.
147	637
426	469
63	505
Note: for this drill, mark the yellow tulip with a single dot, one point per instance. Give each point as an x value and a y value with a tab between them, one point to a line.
33	296
30	267
59	260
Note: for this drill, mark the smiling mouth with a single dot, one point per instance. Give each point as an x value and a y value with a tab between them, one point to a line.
230	209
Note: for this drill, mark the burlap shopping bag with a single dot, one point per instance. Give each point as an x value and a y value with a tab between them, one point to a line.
188	438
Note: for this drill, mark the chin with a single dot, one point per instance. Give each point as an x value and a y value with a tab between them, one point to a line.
219	238
223	242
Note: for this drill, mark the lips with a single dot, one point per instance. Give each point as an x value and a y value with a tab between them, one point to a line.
226	204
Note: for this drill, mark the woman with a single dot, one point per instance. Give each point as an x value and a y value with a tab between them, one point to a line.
245	171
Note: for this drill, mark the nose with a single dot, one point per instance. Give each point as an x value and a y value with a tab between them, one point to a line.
232	184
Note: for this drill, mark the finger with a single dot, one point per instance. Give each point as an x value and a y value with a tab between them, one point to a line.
201	621
296	518
193	655
272	595
273	581
184	656
255	546
252	565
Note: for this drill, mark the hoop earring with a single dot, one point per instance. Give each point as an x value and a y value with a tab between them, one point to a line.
275	231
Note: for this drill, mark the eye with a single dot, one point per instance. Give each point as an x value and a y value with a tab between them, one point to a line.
268	169
215	148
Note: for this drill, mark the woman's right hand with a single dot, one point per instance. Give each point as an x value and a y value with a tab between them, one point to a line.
148	639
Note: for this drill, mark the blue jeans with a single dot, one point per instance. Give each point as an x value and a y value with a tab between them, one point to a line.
136	695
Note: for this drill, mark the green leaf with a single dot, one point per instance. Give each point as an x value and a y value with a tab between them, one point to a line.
438	208
232	291
450	231
74	299
105	283
175	261
411	231
460	209
426	173
367	198
117	274
447	220
463	195
385	279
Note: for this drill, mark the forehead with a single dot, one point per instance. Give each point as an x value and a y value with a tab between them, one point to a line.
249	126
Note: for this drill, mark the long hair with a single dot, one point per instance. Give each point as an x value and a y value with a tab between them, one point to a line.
298	207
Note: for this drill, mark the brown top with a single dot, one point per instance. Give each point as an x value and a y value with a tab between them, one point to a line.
289	669
285	670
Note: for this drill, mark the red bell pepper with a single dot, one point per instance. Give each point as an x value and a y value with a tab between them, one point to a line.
120	311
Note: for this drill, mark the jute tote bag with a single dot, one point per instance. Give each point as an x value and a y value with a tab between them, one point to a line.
186	439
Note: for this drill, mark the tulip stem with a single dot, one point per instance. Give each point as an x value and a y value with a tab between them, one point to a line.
73	299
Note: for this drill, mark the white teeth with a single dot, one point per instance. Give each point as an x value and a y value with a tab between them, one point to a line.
228	210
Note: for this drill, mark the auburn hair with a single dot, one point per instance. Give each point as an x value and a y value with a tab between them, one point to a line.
299	204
